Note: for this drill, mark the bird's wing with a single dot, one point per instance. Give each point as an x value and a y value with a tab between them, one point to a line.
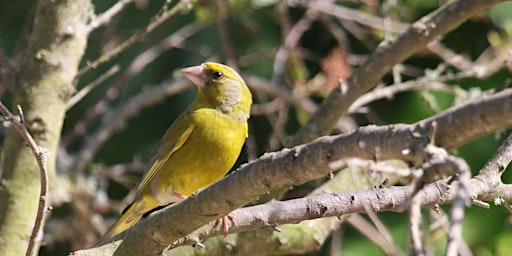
165	152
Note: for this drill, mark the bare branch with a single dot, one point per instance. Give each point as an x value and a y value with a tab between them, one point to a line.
105	17
492	171
88	88
460	202
415	223
422	83
41	155
227	47
381	228
142	60
258	84
311	161
391	168
290	42
345	13
450	57
262	217
418	35
444	164
133	39
500	193
372	233
500	159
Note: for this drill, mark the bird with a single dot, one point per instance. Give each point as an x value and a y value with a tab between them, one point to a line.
199	147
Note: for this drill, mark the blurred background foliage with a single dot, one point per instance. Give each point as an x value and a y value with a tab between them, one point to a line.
250	32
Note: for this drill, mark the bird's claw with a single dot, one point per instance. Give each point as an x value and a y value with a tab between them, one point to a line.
223	222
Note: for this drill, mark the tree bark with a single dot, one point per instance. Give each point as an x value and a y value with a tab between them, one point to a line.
44	83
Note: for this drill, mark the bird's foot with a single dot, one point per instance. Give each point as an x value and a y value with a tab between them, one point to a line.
179	196
223	222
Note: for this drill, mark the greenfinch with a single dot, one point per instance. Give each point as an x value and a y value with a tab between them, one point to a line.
199	148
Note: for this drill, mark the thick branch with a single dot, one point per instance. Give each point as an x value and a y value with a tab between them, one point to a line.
307	162
287	212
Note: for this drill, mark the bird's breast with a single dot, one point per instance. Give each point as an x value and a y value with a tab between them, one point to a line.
208	154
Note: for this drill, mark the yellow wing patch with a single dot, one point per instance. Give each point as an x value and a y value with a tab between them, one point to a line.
157	165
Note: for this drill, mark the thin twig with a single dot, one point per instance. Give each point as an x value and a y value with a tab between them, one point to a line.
176	39
261	85
415	223
354	15
388	168
460	202
290	43
88	88
443	163
421	83
450	57
127	43
381	228
41	155
346	14
269	107
338	32
507	206
480	203
388	54
105	17
441	221
278	137
365	228
227	47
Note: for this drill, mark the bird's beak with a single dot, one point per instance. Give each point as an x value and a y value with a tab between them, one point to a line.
195	74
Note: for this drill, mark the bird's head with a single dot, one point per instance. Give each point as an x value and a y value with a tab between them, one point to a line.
220	87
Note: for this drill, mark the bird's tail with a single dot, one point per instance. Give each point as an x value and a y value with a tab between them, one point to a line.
129	217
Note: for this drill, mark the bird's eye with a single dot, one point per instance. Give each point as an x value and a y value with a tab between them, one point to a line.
217	75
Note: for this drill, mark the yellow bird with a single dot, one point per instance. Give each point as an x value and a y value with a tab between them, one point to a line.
199	148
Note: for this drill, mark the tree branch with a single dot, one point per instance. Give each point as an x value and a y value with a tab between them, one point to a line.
279	214
88	88
176	39
133	39
41	155
310	161
105	17
417	36
53	51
